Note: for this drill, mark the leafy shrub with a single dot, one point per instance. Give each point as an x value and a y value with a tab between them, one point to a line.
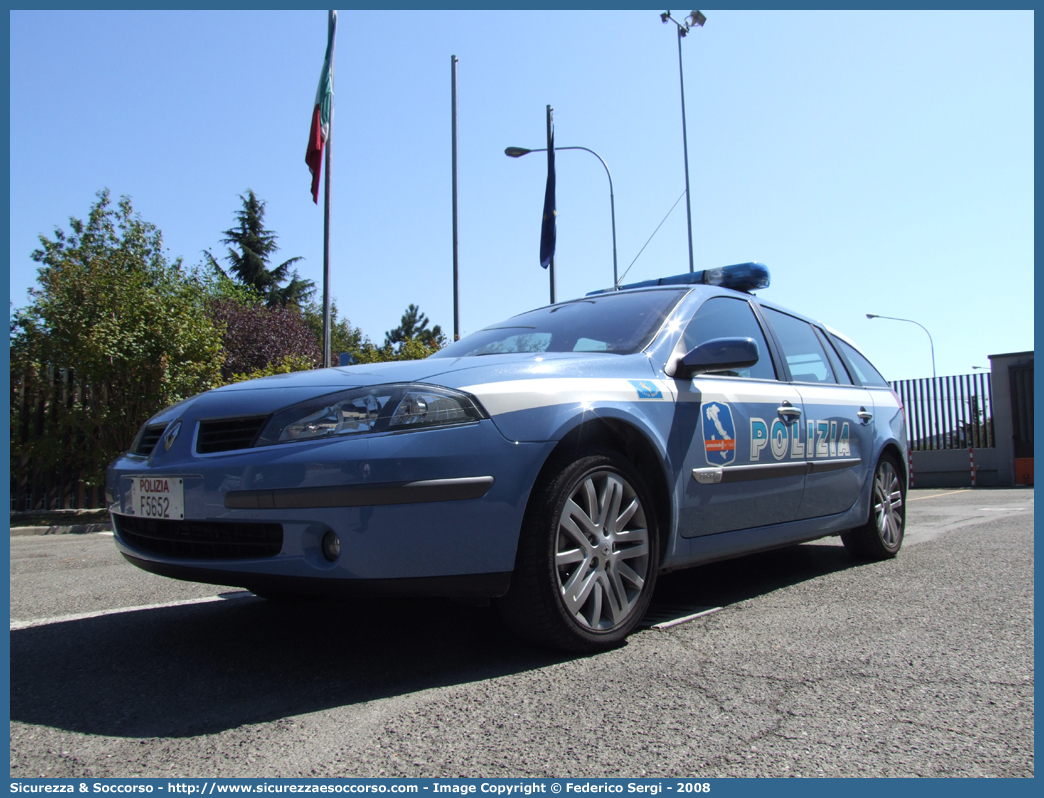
255	337
287	364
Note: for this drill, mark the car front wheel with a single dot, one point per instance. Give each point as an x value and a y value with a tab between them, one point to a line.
882	534
587	558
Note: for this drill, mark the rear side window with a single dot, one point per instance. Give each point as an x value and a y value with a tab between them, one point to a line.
806	358
864	370
839	368
726	317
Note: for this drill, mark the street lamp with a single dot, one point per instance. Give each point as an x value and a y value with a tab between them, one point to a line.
695	19
518	152
930	342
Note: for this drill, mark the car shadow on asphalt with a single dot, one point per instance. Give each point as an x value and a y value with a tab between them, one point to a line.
731	581
203	668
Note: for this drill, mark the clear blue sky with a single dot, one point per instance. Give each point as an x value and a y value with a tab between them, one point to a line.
876	162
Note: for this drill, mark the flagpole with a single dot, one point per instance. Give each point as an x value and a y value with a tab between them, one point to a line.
550	149
456	279
326	214
685	147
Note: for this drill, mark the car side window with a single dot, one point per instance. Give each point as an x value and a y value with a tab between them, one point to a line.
805	355
840	371
726	317
864	370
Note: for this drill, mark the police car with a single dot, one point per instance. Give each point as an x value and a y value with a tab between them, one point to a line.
556	462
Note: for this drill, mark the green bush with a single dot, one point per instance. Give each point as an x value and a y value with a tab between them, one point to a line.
129	324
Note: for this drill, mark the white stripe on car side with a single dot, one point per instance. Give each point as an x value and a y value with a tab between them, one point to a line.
508	397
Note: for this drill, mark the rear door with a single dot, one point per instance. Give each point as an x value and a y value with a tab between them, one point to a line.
837	430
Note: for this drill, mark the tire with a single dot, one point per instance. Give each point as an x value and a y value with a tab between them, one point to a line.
882	534
587	556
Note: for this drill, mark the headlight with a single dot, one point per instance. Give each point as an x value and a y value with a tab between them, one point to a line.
380	408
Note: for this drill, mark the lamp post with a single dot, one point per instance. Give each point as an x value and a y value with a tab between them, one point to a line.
911	321
518	152
695	19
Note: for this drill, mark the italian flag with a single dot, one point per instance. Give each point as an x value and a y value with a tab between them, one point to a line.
322	113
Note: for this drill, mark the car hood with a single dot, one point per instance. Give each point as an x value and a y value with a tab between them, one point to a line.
268	394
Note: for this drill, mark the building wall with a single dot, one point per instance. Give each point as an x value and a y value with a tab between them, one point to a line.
951	468
1000	385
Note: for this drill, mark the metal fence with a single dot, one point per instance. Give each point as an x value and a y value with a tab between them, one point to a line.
948	412
42	405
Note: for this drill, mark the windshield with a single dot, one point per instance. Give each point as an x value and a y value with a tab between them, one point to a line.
618	324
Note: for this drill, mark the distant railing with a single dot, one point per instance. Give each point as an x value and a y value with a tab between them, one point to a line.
948	412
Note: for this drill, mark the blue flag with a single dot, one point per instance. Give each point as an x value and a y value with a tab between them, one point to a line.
547	227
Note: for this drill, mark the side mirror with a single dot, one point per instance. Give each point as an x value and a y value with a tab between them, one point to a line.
717	354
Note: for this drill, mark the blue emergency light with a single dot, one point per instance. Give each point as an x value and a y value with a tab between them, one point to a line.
739	277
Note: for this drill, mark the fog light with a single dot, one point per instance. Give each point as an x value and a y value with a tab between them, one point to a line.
331	546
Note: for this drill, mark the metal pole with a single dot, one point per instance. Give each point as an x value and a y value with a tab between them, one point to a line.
326	217
685	146
551	265
612	211
456	278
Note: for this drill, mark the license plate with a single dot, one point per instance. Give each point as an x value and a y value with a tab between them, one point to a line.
157	497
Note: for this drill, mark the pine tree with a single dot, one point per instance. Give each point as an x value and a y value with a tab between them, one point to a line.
414	325
251	248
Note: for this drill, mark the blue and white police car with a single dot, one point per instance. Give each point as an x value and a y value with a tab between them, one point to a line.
556	462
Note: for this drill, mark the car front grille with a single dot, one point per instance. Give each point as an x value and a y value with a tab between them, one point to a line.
200	540
149	439
228	434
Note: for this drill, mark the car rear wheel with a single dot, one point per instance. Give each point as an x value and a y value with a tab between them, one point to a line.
882	534
587	557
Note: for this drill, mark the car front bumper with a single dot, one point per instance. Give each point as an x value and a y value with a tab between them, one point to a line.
433	512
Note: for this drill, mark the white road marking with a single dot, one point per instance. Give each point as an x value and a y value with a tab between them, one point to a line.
937	495
82	616
676	621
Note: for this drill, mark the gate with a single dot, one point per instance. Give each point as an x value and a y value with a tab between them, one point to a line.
950	412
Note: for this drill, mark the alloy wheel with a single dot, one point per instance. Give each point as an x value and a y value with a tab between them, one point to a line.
602	551
888	505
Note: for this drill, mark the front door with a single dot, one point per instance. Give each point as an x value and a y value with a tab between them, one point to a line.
735	429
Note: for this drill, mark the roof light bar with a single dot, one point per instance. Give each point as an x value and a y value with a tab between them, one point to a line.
739	277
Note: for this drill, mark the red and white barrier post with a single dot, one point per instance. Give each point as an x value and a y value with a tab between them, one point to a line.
971	459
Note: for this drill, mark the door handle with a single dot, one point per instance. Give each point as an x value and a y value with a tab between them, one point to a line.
864	415
788	410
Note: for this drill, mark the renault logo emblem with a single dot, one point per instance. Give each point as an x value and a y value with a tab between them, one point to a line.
170	435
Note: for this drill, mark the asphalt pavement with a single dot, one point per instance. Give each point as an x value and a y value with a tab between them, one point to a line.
814	666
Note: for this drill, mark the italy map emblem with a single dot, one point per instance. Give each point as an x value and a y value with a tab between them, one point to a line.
719	434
